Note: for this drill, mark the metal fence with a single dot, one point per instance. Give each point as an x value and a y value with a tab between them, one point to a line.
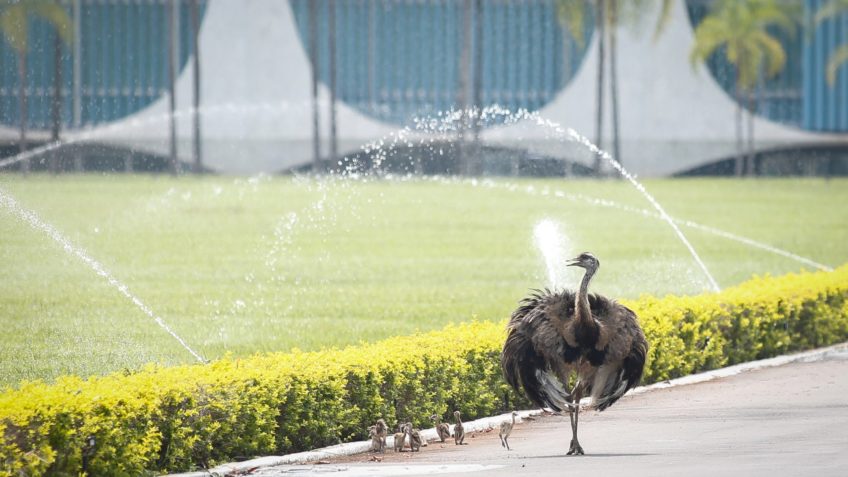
115	66
397	59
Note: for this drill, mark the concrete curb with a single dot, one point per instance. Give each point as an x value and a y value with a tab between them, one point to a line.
839	351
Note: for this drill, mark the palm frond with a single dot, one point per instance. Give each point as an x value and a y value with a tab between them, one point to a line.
710	35
836	60
830	10
774	54
14	16
572	15
56	15
13	24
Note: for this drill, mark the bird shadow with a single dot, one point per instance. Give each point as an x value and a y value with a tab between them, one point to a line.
622	454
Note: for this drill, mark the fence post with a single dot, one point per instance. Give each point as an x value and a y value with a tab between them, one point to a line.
462	100
313	57
195	27
333	72
172	103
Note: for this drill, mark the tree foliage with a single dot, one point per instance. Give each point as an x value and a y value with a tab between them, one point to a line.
14	25
828	11
740	30
573	14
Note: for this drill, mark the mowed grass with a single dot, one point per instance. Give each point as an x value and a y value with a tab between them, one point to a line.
248	265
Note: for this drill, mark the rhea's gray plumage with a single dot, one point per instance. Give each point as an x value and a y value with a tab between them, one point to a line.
414	437
458	429
556	337
382	431
506	430
442	428
400	437
376	442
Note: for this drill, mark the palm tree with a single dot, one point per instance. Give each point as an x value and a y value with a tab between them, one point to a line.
609	15
15	27
830	10
739	30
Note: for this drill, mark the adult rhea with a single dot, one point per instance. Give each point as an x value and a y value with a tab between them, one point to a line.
555	336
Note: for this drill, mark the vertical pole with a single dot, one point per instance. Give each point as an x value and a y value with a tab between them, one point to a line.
77	79
56	104
372	45
313	56
195	27
749	161
333	67
613	60
172	103
477	85
77	66
464	84
600	22
22	105
739	163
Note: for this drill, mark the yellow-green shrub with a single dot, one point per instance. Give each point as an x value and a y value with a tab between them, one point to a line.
178	418
762	317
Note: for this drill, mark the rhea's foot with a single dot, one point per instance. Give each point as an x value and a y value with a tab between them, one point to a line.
575	448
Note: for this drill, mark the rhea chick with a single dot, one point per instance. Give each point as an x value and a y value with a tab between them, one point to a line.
506	430
458	430
414	437
381	430
442	428
400	437
375	439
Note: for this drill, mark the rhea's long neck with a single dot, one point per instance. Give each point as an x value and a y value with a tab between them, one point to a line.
584	313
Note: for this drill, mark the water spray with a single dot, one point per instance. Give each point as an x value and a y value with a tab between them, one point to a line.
35	222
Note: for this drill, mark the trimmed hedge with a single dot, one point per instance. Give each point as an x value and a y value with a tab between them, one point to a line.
184	417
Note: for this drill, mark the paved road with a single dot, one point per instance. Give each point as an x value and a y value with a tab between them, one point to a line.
789	420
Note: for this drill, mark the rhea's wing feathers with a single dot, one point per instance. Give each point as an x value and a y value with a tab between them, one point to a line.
626	353
533	356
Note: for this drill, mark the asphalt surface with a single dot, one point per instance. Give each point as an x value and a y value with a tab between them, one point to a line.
783	421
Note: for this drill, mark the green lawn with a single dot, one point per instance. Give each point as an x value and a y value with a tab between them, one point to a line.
251	265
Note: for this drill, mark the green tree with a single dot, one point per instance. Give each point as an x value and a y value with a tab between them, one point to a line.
609	15
739	30
14	16
833	9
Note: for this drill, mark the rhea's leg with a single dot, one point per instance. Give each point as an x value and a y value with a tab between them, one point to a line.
575	448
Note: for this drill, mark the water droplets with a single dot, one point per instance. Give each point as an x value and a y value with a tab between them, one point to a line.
552	244
35	222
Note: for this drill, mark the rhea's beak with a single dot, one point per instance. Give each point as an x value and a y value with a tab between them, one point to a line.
573	262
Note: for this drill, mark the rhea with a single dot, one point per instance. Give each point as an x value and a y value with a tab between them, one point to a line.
381	430
400	438
442	428
415	440
506	430
458	429
556	336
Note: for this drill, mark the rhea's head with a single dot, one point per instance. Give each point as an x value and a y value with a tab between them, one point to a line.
586	261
